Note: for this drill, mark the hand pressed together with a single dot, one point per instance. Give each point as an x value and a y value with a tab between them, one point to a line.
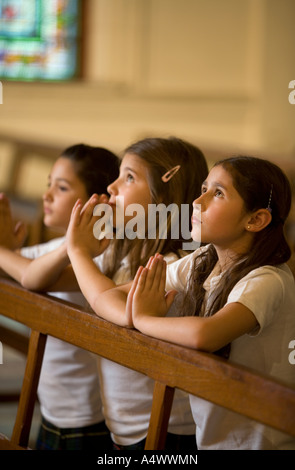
80	230
12	235
148	297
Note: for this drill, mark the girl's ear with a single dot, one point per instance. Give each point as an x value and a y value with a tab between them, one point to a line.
259	220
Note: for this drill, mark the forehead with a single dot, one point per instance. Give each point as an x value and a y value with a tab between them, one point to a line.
133	162
222	178
218	174
63	166
64	170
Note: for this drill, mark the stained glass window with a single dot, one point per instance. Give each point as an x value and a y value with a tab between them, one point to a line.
39	39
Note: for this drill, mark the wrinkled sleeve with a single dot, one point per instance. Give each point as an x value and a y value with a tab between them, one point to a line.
178	273
262	292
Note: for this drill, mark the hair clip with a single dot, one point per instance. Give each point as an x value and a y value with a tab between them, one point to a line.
170	173
269	200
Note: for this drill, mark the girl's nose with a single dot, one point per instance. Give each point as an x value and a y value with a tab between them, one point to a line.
112	188
197	201
200	200
47	195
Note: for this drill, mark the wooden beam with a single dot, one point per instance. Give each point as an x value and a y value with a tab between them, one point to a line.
233	386
28	394
161	409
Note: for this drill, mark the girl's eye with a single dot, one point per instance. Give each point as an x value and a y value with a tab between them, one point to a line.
63	188
203	190
129	178
218	193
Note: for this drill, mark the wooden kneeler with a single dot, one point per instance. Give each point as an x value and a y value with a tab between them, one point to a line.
237	388
22	426
161	409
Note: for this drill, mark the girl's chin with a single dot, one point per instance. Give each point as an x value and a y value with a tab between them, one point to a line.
196	236
51	226
46	220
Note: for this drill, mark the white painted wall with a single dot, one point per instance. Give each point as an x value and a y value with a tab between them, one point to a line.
212	71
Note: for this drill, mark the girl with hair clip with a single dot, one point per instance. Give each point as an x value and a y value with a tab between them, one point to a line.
68	392
152	171
240	299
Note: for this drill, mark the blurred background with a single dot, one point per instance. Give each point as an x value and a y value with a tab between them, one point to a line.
109	72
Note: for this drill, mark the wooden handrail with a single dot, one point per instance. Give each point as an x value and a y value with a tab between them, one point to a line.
230	385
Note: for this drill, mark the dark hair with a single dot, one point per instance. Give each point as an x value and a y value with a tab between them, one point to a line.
96	167
161	155
260	183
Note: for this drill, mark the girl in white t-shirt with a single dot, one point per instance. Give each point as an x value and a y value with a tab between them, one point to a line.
240	298
153	171
69	389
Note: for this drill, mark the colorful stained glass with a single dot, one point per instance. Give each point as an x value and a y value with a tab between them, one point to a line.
39	39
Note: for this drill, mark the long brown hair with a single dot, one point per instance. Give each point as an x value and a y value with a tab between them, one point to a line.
161	155
261	184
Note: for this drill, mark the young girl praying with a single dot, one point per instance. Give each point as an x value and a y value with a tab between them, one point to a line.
69	389
240	298
152	171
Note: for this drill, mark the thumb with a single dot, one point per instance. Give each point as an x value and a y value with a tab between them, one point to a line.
170	296
75	215
103	199
20	232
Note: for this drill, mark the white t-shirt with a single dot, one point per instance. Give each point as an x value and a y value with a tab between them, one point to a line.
69	382
269	292
127	395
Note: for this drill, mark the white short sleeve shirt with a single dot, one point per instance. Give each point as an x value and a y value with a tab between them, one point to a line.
269	292
69	389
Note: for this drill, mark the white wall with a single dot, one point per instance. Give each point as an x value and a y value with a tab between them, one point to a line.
212	71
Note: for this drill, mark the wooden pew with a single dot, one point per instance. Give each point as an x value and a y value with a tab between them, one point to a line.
205	375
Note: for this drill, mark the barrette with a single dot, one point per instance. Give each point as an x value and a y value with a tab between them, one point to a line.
269	200
170	173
